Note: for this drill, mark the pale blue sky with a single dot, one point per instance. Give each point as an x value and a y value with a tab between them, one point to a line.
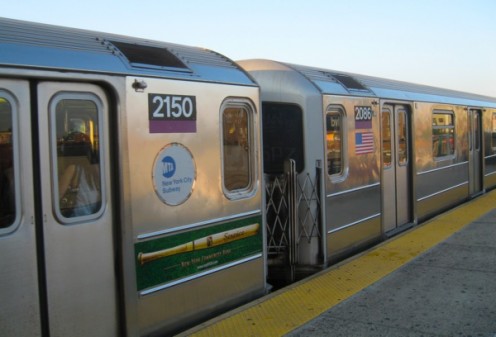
444	43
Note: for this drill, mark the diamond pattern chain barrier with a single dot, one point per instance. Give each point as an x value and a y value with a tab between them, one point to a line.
278	213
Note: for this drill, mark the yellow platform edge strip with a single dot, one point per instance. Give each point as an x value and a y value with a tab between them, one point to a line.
285	310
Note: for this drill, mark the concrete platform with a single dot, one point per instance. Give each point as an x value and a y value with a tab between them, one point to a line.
437	279
448	291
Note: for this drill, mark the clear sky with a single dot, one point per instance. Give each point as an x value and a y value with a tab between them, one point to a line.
444	43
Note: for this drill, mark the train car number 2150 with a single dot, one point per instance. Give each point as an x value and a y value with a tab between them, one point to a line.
171	113
163	107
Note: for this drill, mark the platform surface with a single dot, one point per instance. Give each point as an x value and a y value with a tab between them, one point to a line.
437	279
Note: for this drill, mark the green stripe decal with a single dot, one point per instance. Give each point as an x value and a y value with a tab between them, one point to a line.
171	258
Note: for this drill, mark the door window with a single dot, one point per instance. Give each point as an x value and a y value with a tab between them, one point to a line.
76	155
7	181
477	131
402	138
493	132
386	139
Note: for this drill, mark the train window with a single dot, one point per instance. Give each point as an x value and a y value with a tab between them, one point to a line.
443	133
7	185
282	136
237	151
335	141
402	138
386	138
76	156
477	131
493	138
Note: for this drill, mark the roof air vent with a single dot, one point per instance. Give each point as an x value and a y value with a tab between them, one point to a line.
146	55
349	82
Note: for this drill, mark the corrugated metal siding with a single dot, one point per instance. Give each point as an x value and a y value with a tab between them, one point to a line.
417	88
13	31
100	54
319	76
203	56
390	89
313	74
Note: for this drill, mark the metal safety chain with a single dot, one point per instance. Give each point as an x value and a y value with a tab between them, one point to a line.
309	206
292	214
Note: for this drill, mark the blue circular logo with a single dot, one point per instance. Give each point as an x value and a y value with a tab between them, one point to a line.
168	167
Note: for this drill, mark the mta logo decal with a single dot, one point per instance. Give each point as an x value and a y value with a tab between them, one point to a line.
168	167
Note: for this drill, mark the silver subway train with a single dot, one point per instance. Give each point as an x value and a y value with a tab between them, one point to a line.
147	186
130	184
350	160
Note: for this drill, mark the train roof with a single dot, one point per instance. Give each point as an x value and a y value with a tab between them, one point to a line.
42	46
344	83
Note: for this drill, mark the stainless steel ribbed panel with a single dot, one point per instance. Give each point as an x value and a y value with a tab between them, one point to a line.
26	44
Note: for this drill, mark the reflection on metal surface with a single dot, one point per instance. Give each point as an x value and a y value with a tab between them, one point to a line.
196	224
443	191
352	190
442	168
354	223
196	276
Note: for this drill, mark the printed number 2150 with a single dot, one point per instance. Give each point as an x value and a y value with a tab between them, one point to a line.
173	107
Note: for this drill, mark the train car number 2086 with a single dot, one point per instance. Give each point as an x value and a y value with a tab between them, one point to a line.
171	107
363	113
363	117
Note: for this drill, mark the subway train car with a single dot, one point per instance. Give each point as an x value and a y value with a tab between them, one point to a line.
148	186
130	184
350	159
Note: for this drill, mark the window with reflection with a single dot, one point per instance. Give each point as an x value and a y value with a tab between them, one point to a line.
443	134
7	185
402	138
76	123
493	132
477	134
237	153
335	141
386	138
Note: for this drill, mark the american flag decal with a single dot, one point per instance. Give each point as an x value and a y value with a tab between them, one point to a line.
364	142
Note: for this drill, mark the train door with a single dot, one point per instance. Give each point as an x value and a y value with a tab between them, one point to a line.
76	210
396	166
475	151
19	294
